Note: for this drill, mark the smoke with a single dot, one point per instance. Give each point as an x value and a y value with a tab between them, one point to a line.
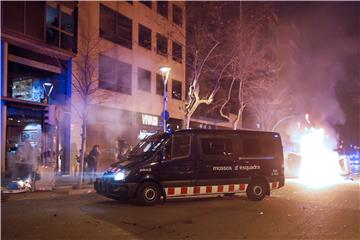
320	38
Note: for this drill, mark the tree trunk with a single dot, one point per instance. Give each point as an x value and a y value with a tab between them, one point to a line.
82	153
187	121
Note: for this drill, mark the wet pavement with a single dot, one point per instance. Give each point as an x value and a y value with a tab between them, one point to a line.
293	212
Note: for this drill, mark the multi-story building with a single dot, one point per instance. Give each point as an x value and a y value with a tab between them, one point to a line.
135	39
38	42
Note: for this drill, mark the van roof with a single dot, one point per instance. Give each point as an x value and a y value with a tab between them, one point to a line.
225	131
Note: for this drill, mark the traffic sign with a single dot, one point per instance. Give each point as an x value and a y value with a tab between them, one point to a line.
165	115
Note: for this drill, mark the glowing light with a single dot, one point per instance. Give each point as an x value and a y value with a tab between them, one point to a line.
119	176
165	69
307	118
320	164
165	73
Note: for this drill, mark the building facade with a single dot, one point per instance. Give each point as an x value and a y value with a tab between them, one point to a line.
38	42
135	39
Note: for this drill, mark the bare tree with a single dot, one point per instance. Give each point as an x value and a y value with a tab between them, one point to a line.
206	59
85	82
253	68
270	103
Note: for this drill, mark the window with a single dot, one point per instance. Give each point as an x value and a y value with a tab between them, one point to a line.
147	3
162	8
124	30
270	148
144	37
107	23
260	147
115	27
177	15
176	52
160	85
251	147
180	146
144	80
44	21
59	26
26	82
115	75
176	89
216	146
67	22
161	44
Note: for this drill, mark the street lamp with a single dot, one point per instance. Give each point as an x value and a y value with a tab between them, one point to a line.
48	87
165	75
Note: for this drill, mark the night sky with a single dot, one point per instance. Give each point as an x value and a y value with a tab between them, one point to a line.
320	58
325	75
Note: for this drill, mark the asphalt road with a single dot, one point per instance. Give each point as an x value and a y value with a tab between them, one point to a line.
293	212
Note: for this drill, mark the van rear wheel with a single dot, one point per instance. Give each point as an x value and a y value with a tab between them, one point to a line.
256	190
148	194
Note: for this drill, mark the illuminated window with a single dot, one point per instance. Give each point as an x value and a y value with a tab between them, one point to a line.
59	26
176	89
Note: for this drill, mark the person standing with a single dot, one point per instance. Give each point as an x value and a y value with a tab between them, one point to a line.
122	150
26	161
91	161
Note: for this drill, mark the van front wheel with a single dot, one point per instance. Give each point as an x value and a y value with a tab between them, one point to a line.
256	190
148	194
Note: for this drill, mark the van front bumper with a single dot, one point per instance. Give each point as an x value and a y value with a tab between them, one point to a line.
115	189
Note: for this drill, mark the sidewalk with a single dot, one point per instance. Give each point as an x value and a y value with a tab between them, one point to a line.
57	192
64	185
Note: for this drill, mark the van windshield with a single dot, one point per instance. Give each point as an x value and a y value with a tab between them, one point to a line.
148	144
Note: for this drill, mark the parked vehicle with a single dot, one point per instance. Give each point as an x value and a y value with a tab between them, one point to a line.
197	162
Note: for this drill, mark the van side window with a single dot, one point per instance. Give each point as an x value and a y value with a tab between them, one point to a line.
213	146
216	149
251	147
258	147
270	148
180	146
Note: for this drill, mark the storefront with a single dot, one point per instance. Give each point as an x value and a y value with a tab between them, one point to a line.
33	91
148	125
117	130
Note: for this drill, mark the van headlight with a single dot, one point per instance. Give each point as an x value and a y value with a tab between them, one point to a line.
121	175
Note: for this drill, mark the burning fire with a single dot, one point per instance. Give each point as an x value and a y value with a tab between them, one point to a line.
320	164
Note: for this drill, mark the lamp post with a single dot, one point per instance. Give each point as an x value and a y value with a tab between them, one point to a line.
165	75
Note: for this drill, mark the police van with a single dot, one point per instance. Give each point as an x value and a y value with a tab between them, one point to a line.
196	162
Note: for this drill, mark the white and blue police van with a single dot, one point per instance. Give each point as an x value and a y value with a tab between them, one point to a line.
195	162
